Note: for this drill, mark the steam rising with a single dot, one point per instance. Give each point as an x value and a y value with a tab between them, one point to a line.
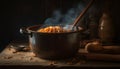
92	15
59	18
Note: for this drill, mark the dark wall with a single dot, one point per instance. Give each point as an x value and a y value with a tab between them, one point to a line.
24	13
115	9
20	13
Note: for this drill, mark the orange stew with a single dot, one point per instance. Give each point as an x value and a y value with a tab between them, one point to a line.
52	29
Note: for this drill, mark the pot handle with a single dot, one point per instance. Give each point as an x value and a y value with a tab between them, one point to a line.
24	31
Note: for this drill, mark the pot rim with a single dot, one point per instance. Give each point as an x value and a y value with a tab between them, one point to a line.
29	29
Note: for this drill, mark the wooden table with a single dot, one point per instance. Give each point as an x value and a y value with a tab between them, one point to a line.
27	60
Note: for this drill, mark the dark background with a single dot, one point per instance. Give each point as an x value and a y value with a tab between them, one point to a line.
24	13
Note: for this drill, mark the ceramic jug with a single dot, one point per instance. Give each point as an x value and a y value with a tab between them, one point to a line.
106	29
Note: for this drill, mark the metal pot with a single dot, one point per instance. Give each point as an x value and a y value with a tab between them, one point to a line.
53	45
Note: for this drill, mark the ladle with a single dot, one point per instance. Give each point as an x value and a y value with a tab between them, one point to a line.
82	13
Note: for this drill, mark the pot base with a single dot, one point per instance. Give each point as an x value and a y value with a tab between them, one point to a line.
56	57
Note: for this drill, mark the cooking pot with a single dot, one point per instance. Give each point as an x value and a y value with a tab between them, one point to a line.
53	45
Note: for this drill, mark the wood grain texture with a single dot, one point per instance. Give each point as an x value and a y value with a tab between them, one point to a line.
7	57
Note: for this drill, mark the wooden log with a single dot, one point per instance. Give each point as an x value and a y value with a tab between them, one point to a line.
101	57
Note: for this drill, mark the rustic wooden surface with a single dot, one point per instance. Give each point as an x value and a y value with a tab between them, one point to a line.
8	57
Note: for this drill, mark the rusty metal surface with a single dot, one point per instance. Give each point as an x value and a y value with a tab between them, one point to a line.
9	57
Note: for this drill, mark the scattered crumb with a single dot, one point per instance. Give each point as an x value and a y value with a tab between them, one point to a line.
31	58
14	52
33	54
18	53
72	61
26	49
8	57
9	49
53	62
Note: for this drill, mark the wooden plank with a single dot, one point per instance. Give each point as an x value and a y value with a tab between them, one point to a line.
7	57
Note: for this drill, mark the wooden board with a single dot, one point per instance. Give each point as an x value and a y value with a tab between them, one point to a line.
7	57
